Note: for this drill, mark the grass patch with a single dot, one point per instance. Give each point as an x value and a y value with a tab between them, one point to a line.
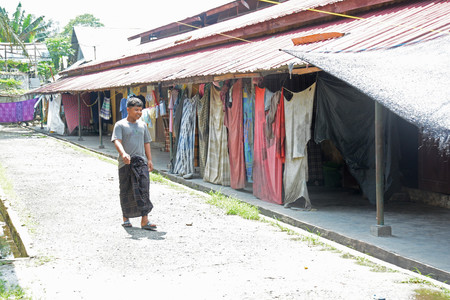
312	240
11	291
34	135
89	152
437	293
10	194
159	178
233	206
417	280
428	294
382	269
362	261
284	229
41	260
6	184
156	177
327	247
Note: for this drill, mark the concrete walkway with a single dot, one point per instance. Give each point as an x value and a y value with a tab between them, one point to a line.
421	233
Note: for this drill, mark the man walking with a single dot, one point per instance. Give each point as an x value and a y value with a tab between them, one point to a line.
132	140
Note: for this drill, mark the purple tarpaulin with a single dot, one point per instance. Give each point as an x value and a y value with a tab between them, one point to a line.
17	111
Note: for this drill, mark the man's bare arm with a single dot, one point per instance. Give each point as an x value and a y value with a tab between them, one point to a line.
125	156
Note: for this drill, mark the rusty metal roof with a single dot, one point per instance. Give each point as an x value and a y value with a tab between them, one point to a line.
398	25
221	30
271	13
399	57
258	56
382	28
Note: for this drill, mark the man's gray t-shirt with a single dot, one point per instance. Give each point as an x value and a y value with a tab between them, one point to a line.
133	137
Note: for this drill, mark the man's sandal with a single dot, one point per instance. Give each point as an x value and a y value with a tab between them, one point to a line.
149	226
127	223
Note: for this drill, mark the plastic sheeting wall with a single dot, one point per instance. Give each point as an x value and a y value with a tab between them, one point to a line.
347	118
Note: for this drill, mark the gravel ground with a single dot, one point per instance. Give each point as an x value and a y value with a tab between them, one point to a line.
67	200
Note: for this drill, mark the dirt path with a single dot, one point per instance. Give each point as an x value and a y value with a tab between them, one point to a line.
67	200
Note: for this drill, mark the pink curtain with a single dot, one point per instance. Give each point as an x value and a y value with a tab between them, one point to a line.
234	122
268	153
70	103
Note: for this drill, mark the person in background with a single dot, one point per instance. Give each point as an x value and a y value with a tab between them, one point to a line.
132	141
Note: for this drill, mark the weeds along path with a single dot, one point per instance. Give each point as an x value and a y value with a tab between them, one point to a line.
67	199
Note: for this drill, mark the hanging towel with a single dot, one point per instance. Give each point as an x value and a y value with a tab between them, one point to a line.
162	108
145	117
172	100
105	111
152	115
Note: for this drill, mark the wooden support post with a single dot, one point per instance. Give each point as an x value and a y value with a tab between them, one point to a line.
379	166
380	229
79	118
42	111
99	122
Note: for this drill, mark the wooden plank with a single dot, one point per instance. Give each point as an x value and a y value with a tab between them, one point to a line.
221	8
313	38
306	70
166	27
198	79
113	105
236	76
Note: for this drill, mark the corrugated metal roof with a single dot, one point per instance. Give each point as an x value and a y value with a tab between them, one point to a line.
412	81
402	24
374	32
36	51
260	16
405	67
238	58
271	13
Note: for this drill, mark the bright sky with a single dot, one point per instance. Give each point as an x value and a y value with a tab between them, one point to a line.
145	14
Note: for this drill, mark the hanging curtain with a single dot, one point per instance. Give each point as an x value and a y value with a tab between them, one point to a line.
217	169
347	118
203	128
178	111
54	122
268	153
233	121
248	98
298	117
184	163
70	103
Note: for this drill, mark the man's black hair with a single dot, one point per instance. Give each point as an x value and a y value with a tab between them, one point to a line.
133	101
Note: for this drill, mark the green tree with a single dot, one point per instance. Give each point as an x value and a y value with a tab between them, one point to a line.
46	69
7	33
87	20
59	47
26	27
